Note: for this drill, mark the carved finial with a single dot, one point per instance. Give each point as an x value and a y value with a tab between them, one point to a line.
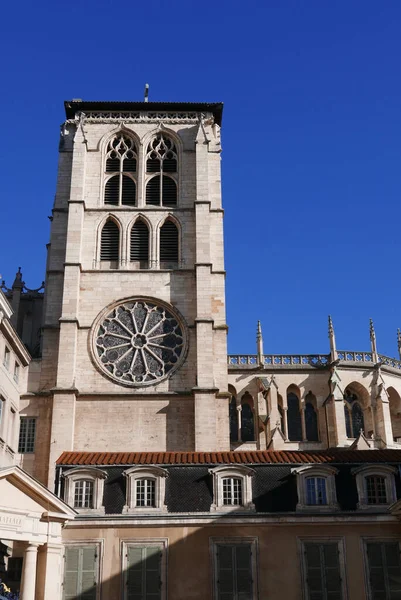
373	344
399	342
146	94
332	338
18	283
259	343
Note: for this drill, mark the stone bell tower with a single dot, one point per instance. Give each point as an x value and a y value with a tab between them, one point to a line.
134	342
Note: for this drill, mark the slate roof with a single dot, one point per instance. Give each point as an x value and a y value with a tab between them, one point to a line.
333	456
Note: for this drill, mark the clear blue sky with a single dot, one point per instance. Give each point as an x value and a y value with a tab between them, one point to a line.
311	144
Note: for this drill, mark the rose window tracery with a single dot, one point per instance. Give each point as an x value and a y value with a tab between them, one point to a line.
139	342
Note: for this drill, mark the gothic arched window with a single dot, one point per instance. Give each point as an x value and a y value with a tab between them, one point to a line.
110	241
233	416
161	169
247	423
312	432
139	250
168	250
293	418
353	413
121	161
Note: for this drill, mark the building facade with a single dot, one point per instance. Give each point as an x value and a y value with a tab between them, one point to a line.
181	472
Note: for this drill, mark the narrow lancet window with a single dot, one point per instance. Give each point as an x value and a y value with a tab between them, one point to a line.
110	242
168	245
139	252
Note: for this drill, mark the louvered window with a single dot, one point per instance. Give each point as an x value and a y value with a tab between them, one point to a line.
322	571
143	577
110	242
140	244
384	567
80	573
161	158
168	246
121	164
234	572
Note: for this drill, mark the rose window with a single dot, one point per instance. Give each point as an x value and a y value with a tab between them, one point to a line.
139	342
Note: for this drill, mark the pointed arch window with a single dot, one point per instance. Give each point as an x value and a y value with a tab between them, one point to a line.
233	415
353	413
247	419
293	417
162	172
139	249
121	167
168	251
110	242
311	426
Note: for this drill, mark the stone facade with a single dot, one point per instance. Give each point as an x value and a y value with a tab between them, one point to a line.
198	401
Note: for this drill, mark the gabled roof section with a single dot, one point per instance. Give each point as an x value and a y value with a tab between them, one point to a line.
74	106
333	456
32	488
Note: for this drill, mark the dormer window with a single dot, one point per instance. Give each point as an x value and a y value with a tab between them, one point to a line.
146	487
84	489
316	487
376	486
232	488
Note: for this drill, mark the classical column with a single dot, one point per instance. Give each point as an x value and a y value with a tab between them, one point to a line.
29	572
49	572
303	424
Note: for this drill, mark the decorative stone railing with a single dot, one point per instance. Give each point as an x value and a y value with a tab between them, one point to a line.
314	360
351	356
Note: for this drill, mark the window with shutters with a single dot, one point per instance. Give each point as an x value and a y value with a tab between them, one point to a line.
110	244
316	488
144	566
27	434
235	569
146	489
83	489
323	569
81	572
376	486
139	244
120	176
383	566
232	488
169	245
161	172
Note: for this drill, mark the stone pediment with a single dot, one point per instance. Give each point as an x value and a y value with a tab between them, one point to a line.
21	493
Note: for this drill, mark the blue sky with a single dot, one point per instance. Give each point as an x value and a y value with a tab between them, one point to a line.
311	144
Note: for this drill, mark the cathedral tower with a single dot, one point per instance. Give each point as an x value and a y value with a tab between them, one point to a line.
134	342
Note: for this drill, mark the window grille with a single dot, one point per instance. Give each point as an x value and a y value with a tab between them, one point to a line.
121	163
83	494
168	245
110	241
376	489
384	568
27	433
316	494
161	158
145	492
232	491
140	243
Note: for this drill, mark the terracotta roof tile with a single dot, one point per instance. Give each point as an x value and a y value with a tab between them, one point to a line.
249	457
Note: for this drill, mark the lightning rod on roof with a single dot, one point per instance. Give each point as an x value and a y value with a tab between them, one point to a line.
146	98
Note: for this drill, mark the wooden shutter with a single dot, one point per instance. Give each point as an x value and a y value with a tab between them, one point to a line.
323	576
144	573
110	242
80	573
384	570
169	243
234	572
140	242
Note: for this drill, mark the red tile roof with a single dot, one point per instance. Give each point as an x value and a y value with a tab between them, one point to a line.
256	457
